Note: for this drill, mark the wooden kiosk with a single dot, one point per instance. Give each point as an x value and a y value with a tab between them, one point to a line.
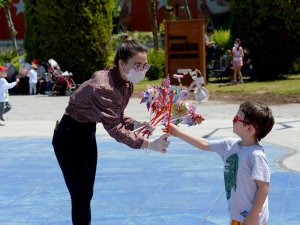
185	47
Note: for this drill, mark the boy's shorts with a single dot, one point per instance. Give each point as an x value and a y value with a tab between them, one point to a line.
234	222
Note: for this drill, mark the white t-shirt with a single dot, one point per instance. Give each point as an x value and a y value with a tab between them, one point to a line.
4	86
237	54
32	74
242	166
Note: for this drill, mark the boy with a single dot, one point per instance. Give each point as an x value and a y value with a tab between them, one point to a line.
5	105
246	170
32	74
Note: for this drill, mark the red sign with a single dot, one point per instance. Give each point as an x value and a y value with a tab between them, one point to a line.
17	14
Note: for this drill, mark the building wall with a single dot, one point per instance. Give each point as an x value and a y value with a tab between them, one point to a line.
134	14
17	13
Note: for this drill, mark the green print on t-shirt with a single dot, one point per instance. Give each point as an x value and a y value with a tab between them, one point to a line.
230	173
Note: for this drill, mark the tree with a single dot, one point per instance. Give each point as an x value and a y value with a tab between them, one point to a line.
152	7
74	33
187	9
13	33
271	29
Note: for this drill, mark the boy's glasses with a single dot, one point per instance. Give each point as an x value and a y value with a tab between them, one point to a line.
236	118
139	67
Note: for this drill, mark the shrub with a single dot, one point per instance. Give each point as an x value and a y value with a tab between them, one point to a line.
157	61
222	38
271	30
7	53
74	33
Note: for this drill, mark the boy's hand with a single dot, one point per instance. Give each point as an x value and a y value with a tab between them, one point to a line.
173	130
251	220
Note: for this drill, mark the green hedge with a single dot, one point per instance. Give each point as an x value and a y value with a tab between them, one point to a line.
74	33
271	29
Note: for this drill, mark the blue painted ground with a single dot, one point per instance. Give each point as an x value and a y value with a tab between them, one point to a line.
182	187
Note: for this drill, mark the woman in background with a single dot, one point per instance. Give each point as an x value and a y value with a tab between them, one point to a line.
237	61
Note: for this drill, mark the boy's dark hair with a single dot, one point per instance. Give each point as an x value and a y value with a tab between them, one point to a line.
128	48
258	115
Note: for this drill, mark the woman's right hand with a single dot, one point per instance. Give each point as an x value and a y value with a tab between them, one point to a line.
159	144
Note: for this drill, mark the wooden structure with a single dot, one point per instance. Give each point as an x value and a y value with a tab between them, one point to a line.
185	47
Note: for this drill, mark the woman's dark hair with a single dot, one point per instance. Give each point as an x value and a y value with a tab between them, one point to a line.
258	115
127	48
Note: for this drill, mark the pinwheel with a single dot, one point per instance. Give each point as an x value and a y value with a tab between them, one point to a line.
167	105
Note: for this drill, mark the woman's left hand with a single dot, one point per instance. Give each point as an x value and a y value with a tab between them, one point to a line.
138	125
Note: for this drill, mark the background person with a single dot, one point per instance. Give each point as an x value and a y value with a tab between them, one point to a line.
11	74
32	74
5	105
101	99
247	68
41	73
246	169
237	61
23	85
211	49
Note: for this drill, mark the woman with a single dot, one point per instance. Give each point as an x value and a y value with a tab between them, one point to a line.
237	61
101	99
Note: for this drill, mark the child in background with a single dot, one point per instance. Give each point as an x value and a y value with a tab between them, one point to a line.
5	105
237	61
32	74
246	170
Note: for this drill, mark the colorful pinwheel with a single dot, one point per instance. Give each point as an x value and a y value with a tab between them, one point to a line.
167	105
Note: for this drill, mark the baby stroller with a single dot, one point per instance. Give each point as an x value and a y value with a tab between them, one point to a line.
63	84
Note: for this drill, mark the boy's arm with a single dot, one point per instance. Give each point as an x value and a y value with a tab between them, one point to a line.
11	85
197	142
260	197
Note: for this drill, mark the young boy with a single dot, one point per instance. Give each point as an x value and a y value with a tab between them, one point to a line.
32	74
5	105
246	170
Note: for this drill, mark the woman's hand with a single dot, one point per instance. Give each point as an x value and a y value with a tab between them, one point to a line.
159	144
143	125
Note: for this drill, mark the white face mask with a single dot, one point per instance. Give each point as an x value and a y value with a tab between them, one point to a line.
236	45
135	76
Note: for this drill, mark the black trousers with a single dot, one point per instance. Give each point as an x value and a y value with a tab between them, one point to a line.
4	108
76	151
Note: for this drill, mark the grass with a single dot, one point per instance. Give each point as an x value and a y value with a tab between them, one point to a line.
286	86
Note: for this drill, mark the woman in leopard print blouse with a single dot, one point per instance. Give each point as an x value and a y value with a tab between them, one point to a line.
101	99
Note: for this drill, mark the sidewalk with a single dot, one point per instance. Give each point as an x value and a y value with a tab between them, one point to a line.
35	116
137	187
